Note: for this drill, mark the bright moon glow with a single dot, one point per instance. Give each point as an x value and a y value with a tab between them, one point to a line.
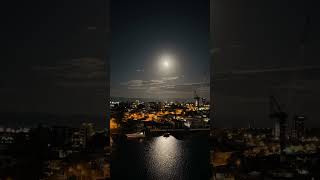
166	63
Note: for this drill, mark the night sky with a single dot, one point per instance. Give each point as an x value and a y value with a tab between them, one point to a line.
55	56
145	33
263	48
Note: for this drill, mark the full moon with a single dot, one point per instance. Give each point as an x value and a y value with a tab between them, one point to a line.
166	64
166	61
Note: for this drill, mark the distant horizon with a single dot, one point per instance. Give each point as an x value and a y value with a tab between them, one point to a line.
154	99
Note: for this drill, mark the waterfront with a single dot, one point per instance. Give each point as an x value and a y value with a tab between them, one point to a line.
162	158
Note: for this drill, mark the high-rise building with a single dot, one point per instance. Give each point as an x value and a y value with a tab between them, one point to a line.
81	136
62	136
283	133
298	127
196	103
276	130
203	101
86	131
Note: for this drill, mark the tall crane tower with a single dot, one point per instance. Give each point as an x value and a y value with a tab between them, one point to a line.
280	118
197	98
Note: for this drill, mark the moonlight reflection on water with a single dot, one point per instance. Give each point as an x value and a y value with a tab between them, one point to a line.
162	158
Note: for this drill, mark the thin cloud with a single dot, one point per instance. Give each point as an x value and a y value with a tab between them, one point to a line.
170	78
85	71
92	28
255	71
166	85
243	73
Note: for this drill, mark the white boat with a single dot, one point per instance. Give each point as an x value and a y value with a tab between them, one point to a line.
136	135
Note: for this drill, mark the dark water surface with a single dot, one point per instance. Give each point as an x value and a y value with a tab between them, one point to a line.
162	158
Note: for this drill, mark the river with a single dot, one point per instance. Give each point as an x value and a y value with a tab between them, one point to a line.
162	158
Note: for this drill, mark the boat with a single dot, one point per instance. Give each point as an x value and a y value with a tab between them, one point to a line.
137	135
166	134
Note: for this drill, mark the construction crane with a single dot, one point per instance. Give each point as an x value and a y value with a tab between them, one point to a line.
196	97
280	117
275	109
